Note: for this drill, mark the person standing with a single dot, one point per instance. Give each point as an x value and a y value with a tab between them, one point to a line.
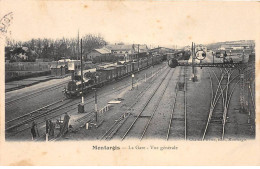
65	126
51	130
47	124
34	130
66	123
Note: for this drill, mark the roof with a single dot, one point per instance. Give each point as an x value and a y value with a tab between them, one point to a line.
119	47
161	49
103	51
108	68
142	48
85	71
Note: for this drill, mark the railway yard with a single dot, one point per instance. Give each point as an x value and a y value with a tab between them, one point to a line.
157	102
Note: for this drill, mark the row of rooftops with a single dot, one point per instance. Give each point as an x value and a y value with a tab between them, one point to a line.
133	49
120	47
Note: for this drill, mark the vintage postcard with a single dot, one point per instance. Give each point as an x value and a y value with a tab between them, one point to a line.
129	82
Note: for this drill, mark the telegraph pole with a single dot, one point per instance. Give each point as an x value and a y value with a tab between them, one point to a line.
78	46
213	57
138	57
133	81
193	68
242	85
81	67
192	57
96	107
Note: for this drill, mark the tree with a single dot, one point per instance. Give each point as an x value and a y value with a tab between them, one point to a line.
58	48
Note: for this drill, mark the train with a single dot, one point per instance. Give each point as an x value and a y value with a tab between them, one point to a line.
98	77
212	57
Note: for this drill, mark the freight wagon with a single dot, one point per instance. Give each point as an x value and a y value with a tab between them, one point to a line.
106	74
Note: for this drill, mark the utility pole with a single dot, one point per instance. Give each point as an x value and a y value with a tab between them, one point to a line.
213	57
81	67
78	46
242	94
193	68
152	61
242	85
192	57
96	107
133	81
138	57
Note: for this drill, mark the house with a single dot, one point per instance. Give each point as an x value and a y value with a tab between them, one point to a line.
141	48
120	50
98	54
127	52
161	50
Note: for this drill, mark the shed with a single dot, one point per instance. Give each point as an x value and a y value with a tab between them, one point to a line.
98	54
58	70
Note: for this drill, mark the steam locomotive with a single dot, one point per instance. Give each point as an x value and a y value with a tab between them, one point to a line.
105	74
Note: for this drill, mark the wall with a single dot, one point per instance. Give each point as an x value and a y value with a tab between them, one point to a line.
92	55
28	66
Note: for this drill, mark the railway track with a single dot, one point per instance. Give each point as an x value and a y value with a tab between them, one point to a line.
44	112
142	110
154	74
118	89
34	94
217	118
22	122
121	120
39	92
156	107
182	117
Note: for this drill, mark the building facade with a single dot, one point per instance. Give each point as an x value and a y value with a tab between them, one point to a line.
98	54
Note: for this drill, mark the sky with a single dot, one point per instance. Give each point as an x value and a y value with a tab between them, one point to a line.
159	23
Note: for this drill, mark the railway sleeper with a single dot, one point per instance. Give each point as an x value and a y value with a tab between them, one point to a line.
216	121
116	128
178	119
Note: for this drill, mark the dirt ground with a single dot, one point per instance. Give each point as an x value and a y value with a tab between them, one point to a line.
161	83
198	103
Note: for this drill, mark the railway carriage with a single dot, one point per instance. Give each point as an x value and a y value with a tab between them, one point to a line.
150	61
134	66
106	74
120	69
143	64
109	73
129	68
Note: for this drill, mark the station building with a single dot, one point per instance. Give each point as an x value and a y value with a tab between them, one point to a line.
116	52
99	54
